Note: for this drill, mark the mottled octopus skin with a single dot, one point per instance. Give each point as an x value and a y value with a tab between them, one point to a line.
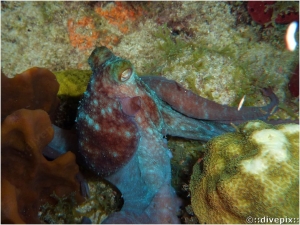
194	106
121	125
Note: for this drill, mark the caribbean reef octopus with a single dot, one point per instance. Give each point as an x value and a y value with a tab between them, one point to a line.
122	123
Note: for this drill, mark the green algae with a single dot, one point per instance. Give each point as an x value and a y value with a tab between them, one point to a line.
250	60
173	48
72	82
288	110
191	81
245	76
48	11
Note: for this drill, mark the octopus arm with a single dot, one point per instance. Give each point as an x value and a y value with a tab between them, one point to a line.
192	105
63	141
179	125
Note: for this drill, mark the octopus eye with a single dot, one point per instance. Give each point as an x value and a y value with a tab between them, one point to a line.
125	75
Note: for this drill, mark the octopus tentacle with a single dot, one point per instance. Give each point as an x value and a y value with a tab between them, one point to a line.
179	125
192	105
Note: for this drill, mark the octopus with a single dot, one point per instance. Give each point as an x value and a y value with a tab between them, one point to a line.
122	123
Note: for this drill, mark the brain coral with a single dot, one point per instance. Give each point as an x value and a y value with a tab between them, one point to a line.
253	172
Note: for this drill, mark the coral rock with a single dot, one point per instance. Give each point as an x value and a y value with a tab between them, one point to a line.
28	179
35	88
250	173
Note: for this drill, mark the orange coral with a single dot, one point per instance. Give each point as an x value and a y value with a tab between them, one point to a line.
119	14
35	88
28	179
82	34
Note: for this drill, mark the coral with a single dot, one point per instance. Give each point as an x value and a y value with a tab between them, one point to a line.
28	179
252	172
212	24
86	40
35	88
119	14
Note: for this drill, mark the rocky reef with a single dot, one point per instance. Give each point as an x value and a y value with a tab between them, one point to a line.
253	172
219	50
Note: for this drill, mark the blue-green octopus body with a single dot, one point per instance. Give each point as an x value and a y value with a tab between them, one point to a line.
122	123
